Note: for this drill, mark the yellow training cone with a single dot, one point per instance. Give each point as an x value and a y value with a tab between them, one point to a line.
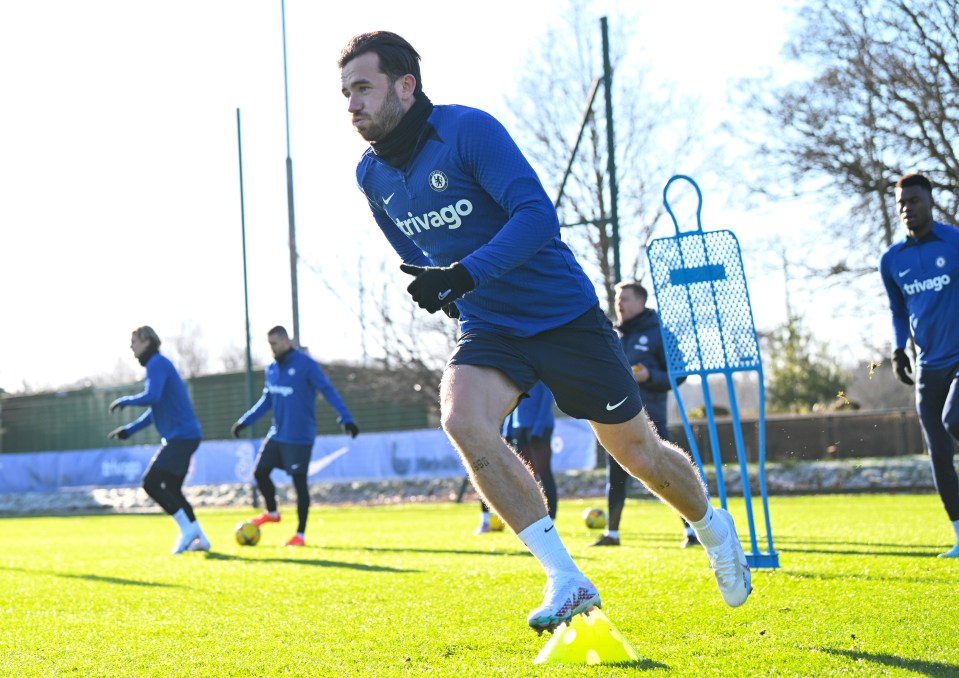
587	640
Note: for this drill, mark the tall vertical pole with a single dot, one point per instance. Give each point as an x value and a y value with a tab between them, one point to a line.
289	193
611	149
246	296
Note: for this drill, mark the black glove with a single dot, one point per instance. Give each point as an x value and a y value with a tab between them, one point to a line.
120	433
352	429
438	286
902	366
452	310
236	428
116	404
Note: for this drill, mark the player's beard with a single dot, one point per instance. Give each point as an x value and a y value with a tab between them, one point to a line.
384	120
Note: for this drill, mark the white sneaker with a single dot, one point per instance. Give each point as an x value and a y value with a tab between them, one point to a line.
566	597
184	540
951	553
729	564
201	543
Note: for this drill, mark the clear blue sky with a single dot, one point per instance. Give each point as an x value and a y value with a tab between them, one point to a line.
118	158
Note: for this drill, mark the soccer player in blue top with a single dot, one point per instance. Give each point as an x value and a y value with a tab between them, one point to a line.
472	223
921	276
292	382
169	409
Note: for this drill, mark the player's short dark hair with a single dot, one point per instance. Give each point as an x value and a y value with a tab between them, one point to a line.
636	288
147	333
280	331
397	56
915	179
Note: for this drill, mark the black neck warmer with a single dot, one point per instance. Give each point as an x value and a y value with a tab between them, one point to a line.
397	147
147	354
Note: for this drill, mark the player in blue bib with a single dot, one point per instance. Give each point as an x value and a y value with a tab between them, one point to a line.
469	218
170	411
290	386
921	276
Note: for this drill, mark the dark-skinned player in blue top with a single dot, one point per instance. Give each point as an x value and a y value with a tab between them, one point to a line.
921	276
292	381
472	223
170	411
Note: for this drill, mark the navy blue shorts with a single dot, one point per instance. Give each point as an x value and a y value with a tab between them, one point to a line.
581	362
174	456
292	458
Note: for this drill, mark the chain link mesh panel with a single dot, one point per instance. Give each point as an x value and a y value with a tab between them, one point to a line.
703	303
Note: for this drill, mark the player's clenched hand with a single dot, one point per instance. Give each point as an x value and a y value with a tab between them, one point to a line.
115	405
351	428
902	366
120	433
236	428
438	286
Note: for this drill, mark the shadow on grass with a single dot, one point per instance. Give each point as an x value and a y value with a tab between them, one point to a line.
93	577
918	665
457	552
947	578
931	553
305	561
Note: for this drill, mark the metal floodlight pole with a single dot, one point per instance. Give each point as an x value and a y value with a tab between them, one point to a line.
246	296
289	192
611	149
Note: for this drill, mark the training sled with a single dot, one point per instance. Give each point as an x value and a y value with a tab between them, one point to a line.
588	638
708	329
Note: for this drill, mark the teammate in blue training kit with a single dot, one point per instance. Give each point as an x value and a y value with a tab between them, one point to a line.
919	272
292	382
472	223
169	409
640	332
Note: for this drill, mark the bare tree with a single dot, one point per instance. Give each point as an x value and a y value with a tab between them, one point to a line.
191	357
655	134
398	336
881	99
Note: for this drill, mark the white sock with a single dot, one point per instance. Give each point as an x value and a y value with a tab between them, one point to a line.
612	533
182	521
301	535
484	518
544	543
955	526
710	531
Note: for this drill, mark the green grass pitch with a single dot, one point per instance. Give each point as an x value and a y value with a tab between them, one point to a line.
407	590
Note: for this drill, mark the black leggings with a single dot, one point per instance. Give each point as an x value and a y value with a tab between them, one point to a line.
268	490
937	401
166	489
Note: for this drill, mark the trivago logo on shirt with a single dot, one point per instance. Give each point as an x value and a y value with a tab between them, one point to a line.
449	216
929	284
280	390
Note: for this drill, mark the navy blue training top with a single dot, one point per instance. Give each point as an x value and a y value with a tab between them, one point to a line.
469	195
168	403
290	389
921	277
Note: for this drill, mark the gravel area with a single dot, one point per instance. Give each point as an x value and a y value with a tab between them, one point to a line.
892	474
